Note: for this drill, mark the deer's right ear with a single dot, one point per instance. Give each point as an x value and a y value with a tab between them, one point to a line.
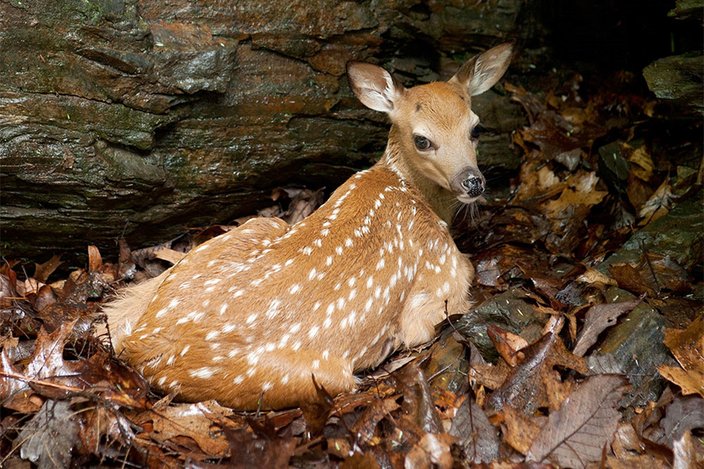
374	86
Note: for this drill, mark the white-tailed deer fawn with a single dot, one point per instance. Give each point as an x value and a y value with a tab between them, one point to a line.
251	316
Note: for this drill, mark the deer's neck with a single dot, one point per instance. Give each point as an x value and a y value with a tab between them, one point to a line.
440	199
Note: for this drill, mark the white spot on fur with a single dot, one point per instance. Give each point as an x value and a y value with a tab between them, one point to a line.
313	331
203	373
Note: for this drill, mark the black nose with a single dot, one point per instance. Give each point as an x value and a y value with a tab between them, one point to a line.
474	186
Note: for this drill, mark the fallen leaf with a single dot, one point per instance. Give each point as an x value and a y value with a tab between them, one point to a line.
201	422
47	439
507	344
686	453
169	255
43	271
575	435
95	260
527	386
303	203
683	415
360	461
688	348
519	429
658	205
475	434
418	406
259	450
433	450
594	277
597	319
9	381
604	364
364	428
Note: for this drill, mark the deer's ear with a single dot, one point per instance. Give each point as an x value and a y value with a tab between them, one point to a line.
481	72
374	86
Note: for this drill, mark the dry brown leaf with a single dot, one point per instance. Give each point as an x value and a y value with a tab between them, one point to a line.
433	450
688	348
642	163
303	203
569	199
507	344
201	422
594	277
169	255
597	319
626	441
95	260
636	461
43	271
575	435
261	448
364	428
658	205
519	429
491	376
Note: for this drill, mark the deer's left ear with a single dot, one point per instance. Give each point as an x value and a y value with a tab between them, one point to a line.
481	72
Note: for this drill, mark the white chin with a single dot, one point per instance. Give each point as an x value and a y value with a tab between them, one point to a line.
465	199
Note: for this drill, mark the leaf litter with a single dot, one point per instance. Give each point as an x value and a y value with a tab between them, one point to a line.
584	348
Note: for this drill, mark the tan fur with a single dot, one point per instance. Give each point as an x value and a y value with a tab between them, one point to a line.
251	316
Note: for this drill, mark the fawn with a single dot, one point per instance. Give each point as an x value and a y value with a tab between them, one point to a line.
252	317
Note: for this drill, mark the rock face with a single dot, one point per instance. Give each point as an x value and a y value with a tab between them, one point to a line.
141	118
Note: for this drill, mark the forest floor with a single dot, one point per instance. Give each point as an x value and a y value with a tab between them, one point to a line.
584	348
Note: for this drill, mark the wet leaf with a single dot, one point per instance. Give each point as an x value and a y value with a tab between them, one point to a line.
364	428
475	435
597	319
533	383
418	405
688	348
575	434
683	415
47	439
658	205
259	451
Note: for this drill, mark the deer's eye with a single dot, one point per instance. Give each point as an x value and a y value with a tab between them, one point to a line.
422	143
476	131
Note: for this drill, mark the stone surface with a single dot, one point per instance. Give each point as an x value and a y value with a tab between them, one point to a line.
142	119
